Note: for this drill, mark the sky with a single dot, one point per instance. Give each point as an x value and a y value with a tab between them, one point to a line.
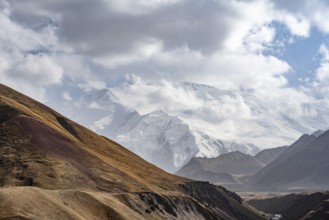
59	49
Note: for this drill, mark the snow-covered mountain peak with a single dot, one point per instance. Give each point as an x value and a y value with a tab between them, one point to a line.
159	113
318	133
195	86
103	96
208	146
160	139
204	91
198	126
244	147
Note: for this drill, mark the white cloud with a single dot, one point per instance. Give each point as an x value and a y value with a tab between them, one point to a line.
324	51
25	63
92	84
322	72
266	117
250	71
142	52
298	25
138	7
320	86
317	12
299	16
244	20
175	39
259	38
39	69
67	96
163	96
216	42
175	98
22	38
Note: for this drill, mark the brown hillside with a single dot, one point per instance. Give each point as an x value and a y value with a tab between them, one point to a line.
51	166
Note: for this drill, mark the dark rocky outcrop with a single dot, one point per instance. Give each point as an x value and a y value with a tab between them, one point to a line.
295	206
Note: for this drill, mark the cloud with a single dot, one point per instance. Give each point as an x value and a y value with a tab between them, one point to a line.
33	58
300	15
175	40
297	24
321	84
67	96
228	44
324	51
322	73
165	38
259	38
143	52
180	98
173	23
264	117
25	62
39	69
138	7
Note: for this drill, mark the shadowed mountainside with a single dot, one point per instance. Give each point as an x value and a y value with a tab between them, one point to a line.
302	166
224	169
52	167
321	212
268	155
295	206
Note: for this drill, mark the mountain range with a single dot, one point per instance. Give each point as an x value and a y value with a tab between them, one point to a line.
301	166
170	141
170	137
268	155
54	168
160	138
231	169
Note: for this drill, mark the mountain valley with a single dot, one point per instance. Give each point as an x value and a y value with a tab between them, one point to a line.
170	139
51	166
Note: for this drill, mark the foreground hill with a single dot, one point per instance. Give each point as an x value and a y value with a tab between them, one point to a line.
302	166
54	168
224	169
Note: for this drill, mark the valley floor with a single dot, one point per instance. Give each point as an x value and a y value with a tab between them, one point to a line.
260	195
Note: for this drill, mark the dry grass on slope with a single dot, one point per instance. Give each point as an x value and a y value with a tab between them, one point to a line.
77	174
110	166
36	203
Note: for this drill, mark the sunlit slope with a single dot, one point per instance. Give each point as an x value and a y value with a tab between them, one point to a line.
39	136
51	166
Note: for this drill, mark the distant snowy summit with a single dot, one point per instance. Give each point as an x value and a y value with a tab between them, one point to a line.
160	138
244	147
318	133
217	122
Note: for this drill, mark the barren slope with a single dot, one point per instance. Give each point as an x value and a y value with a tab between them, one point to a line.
51	166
